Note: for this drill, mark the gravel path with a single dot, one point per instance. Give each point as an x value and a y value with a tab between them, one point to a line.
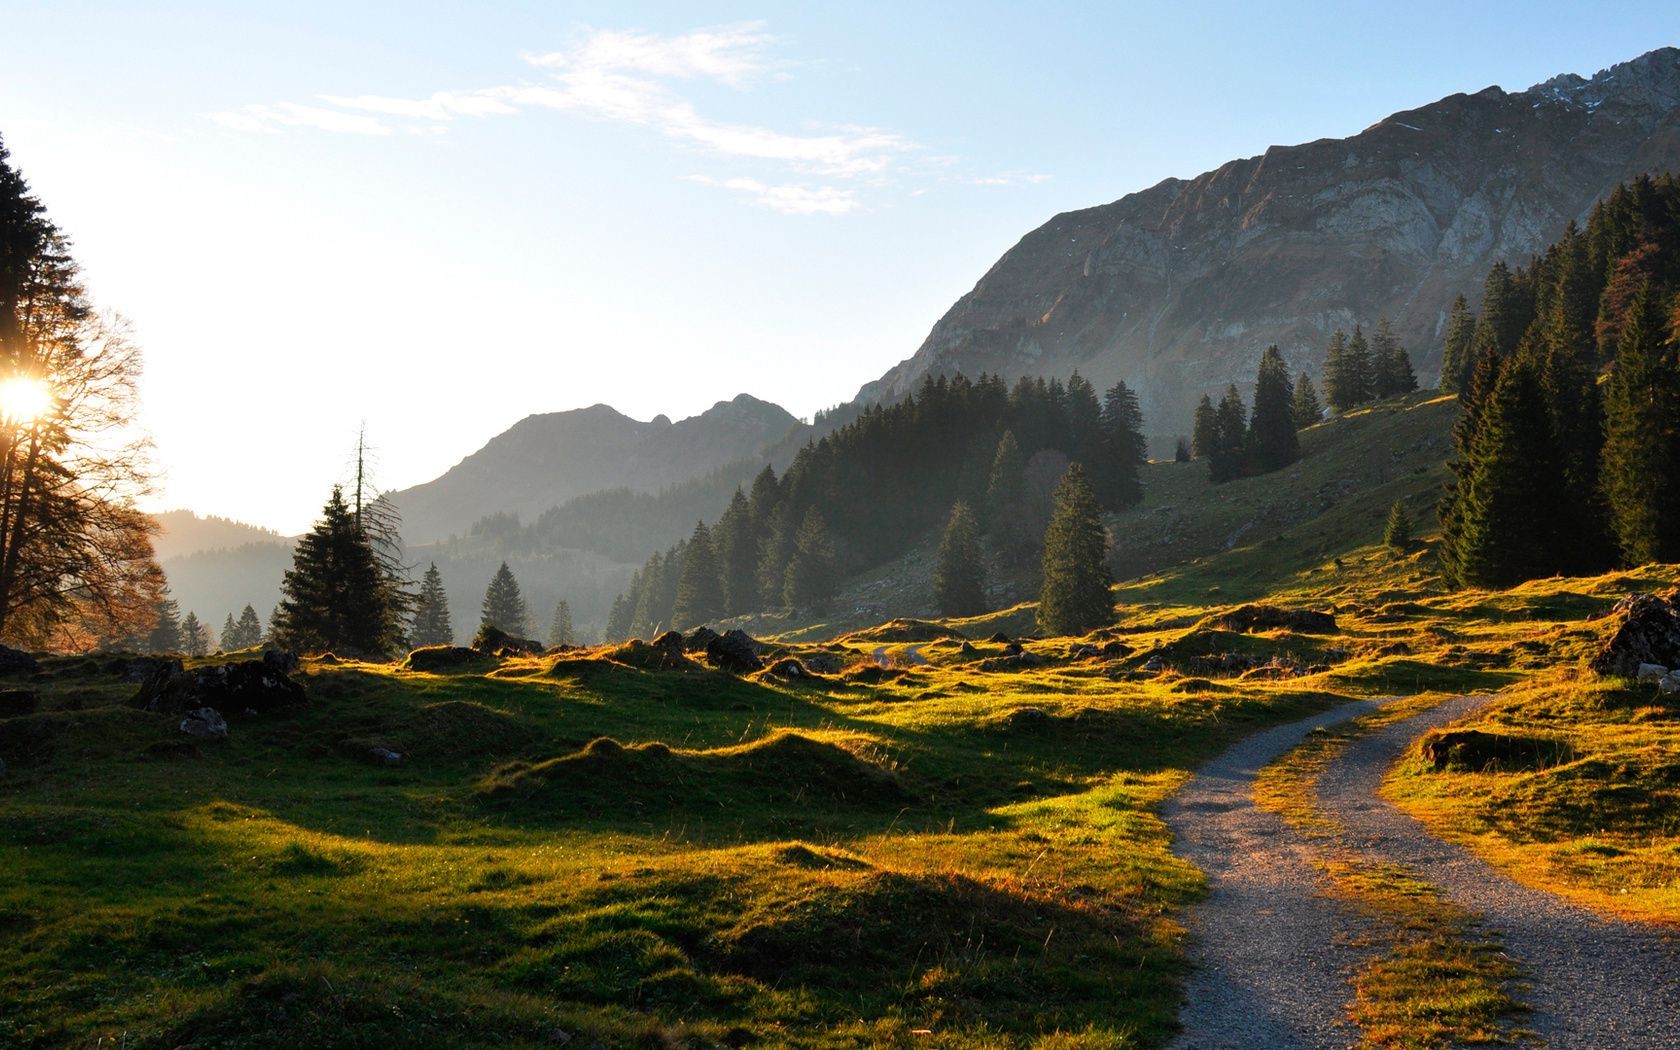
1596	981
1269	947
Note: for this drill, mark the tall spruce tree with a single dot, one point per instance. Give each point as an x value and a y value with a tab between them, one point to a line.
195	641
1457	358
1641	458
1357	368
813	578
431	611
1227	456
336	596
1391	366
736	540
1009	511
560	631
1272	443
780	538
1122	424
699	597
165	635
1202	428
1338	384
960	578
1075	597
230	635
250	629
1304	407
1500	324
504	606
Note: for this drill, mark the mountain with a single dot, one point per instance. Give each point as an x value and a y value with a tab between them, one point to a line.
545	460
1177	289
181	532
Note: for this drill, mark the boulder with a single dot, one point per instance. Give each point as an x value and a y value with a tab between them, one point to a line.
15	702
494	641
1477	751
1270	617
282	661
1647	632
699	638
670	643
1651	672
1669	684
1116	649
384	756
435	658
243	686
999	639
140	668
734	651
13	661
788	667
206	723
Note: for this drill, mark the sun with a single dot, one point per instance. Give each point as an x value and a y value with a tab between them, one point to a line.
24	400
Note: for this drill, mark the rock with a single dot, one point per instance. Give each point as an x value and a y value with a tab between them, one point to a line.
1669	684
1648	632
1651	672
1270	617
13	661
670	643
206	723
384	756
967	649
494	641
1083	652
1116	649
1013	649
245	685
788	667
283	661
1154	663
734	651
999	639
1477	751
698	639
432	658
15	702
144	667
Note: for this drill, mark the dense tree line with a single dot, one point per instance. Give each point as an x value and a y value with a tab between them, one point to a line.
1236	445
1554	470
868	491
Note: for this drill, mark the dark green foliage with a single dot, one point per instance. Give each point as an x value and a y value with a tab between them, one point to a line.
560	631
619	619
736	541
1641	464
960	579
1127	451
336	596
230	631
1009	515
1457	359
1227	452
781	535
1340	384
503	607
431	612
1397	534
1202	430
1075	597
1503	318
1271	442
1391	366
195	640
812	576
699	597
247	633
1304	406
1181	450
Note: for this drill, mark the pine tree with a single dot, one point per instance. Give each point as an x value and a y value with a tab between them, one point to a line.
1181	450
1230	437
736	541
249	628
336	596
699	597
1357	370
812	576
1127	451
1009	511
1271	442
1391	366
1641	460
1576	414
1304	408
781	537
194	640
431	612
1338	389
1075	597
620	617
503	607
960	579
1202	430
165	636
560	632
1457	358
230	635
1397	534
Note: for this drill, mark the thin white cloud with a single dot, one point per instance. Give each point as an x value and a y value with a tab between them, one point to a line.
1011	178
732	54
789	200
292	115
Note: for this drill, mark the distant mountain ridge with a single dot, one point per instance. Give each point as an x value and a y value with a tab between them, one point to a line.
1177	288
545	460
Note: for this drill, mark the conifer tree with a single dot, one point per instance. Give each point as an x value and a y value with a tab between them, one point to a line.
812	575
503	607
780	539
560	632
250	629
1202	429
1075	597
165	635
336	596
619	618
1500	325
194	640
1230	436
1575	410
1457	359
960	579
1122	424
431	612
1304	408
1338	391
1271	442
1397	534
736	540
699	597
1641	459
1357	370
766	495
1391	366
1181	450
230	635
1083	425
1009	512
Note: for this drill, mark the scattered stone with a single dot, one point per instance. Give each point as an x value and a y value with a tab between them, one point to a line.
16	660
15	702
280	661
206	723
788	667
432	658
244	685
734	651
1648	633
999	639
384	756
1154	663
1270	617
1083	652
1476	751
967	649
670	643
138	669
699	638
1013	649
1669	684
1646	672
496	642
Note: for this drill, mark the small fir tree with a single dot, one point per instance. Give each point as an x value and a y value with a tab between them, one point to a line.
699	597
1181	450
504	606
1304	407
431	611
812	575
960	579
337	595
1397	534
194	640
165	636
249	628
1075	597
1338	386
560	632
230	635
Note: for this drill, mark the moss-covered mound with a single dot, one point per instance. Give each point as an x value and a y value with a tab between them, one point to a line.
905	630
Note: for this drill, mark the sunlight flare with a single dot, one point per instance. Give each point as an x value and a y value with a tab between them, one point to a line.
24	399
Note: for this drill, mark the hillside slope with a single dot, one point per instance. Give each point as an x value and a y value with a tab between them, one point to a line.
1176	289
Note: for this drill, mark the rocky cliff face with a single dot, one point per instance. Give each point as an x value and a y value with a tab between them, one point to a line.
1178	288
545	460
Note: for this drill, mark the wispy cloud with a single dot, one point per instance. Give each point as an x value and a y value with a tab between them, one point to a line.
634	78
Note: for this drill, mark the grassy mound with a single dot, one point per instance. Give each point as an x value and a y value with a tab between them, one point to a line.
905	630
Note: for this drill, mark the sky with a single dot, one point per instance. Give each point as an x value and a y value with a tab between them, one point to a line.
432	220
